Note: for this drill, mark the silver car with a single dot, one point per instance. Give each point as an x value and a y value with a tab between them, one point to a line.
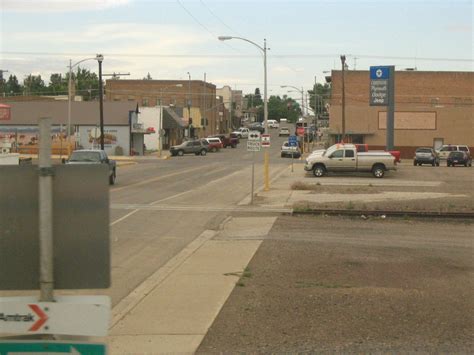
425	155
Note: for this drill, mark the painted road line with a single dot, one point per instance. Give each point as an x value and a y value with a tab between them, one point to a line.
199	208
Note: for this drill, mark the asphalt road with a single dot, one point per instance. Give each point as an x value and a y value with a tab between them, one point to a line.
160	206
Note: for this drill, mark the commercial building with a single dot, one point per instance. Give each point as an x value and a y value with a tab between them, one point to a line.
233	102
195	100
123	131
431	109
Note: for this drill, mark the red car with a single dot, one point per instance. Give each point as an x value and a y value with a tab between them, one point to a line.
227	141
214	144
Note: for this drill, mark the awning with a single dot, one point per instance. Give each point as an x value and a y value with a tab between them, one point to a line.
171	119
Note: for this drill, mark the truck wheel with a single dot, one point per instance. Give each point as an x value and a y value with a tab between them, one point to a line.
203	152
319	171
180	153
433	163
233	146
112	178
415	163
378	171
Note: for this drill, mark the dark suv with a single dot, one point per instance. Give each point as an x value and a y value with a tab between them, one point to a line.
459	158
189	147
426	155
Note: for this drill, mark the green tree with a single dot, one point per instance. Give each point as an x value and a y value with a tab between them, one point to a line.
318	101
58	85
33	85
86	83
148	77
284	107
12	86
257	98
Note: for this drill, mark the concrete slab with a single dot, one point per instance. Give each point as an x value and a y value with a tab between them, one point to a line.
151	344
184	305
247	227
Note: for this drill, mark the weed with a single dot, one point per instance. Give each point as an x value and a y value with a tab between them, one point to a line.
299	185
240	284
350	205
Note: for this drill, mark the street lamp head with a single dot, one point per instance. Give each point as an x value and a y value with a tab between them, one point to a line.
283	86
99	57
224	38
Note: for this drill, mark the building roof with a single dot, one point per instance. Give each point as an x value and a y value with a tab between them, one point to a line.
82	113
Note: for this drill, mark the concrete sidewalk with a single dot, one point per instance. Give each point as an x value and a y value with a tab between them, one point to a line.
173	309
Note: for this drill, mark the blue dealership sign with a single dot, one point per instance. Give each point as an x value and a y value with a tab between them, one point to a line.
293	141
379	72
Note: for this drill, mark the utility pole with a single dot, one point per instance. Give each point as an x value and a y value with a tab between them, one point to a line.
204	123
343	62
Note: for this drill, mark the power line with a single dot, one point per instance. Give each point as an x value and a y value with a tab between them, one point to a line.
219	19
234	56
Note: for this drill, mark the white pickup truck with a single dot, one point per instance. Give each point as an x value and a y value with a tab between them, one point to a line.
345	158
242	132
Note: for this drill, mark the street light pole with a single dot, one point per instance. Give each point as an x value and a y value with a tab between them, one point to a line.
343	62
265	101
100	58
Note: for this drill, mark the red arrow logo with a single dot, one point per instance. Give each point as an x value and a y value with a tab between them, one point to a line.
42	317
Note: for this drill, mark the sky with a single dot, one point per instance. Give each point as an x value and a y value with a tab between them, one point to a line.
171	38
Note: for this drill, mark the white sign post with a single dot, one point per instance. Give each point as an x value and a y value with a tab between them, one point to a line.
253	145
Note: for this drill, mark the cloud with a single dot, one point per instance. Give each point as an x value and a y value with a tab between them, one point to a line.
60	5
459	28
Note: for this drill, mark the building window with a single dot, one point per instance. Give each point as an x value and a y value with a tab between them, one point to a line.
145	102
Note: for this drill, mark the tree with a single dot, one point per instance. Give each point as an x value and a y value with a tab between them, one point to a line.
323	93
57	84
284	107
257	99
148	77
12	86
33	85
87	84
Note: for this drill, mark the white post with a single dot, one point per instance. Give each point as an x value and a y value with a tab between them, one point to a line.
265	115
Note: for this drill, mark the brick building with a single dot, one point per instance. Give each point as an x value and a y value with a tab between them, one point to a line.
431	109
196	98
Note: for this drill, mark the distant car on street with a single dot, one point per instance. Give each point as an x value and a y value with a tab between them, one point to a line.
196	147
459	158
445	150
425	155
214	144
257	126
284	131
227	141
273	124
93	156
242	132
288	151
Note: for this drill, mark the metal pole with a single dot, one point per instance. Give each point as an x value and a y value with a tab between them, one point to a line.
343	61
101	105
391	108
45	189
69	109
265	115
253	176
160	126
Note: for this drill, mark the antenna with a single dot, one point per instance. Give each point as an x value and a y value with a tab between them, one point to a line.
116	76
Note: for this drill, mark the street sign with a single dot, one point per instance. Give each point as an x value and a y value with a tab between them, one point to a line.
300	131
24	347
69	315
253	146
95	133
379	85
293	141
265	140
80	227
254	136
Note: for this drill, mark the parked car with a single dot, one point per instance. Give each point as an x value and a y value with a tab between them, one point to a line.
444	151
189	147
284	131
227	141
242	132
290	151
93	156
214	144
425	155
345	158
257	126
459	158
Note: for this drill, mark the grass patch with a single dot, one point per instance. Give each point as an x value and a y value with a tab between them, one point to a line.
242	275
299	185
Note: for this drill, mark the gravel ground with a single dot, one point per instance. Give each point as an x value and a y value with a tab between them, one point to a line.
455	181
333	284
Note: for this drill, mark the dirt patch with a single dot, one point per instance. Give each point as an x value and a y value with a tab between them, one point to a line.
343	285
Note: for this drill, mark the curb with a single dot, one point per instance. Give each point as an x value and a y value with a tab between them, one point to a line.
380	213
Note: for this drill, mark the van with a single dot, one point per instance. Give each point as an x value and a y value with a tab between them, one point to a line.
445	149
